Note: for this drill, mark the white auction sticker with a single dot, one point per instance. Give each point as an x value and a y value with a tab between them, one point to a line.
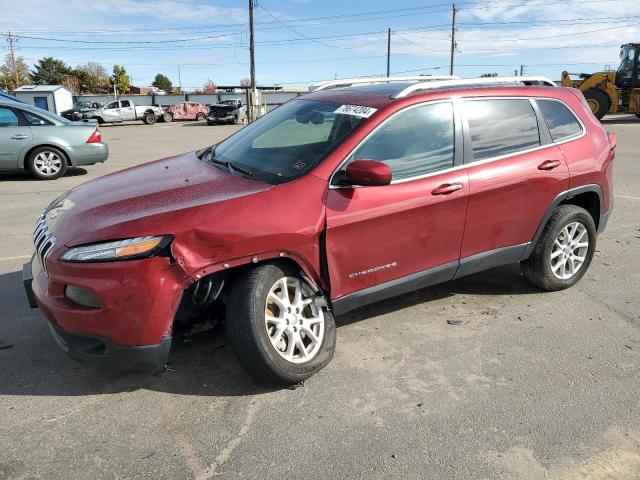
356	110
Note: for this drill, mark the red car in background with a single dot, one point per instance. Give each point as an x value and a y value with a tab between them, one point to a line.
186	111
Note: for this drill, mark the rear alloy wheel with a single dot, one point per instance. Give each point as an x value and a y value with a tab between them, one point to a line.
167	117
47	163
277	328
564	250
200	117
598	101
149	118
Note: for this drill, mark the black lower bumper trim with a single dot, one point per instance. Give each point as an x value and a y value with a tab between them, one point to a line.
101	353
27	281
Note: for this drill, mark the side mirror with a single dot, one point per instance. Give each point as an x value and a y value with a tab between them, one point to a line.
368	173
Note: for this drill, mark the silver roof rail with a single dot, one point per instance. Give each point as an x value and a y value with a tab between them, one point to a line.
347	82
482	81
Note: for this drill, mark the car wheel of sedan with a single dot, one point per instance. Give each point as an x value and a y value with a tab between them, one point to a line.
200	117
564	251
167	117
276	326
47	163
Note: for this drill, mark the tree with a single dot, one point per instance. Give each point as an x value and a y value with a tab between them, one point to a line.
488	75
93	78
245	82
50	71
72	83
162	82
209	87
120	79
12	77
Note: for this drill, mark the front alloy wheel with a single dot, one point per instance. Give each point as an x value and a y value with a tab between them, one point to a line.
276	325
294	322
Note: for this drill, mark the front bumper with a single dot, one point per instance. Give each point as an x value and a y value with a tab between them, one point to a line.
101	353
131	329
225	119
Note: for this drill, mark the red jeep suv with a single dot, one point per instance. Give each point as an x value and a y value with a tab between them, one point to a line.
339	198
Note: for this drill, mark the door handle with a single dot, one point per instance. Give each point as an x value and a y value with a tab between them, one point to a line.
549	165
447	188
19	136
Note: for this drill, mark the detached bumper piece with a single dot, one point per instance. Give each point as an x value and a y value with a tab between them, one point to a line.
27	281
101	353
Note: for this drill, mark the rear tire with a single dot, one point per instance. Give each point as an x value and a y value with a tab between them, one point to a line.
47	163
168	118
200	117
560	257
598	101
264	327
149	118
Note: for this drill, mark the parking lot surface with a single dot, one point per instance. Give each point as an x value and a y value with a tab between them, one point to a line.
527	385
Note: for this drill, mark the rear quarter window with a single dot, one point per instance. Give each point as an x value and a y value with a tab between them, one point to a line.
501	126
561	122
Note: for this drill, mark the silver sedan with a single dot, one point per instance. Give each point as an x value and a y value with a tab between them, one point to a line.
44	143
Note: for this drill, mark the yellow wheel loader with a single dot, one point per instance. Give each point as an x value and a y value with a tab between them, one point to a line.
613	91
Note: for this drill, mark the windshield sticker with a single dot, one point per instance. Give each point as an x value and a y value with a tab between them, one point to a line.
356	110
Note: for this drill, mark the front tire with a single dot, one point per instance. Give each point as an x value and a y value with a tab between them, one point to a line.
275	326
598	101
564	251
200	117
47	163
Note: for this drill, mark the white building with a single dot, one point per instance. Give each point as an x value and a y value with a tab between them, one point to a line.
54	98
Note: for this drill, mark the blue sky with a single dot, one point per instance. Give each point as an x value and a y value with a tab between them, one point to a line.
303	41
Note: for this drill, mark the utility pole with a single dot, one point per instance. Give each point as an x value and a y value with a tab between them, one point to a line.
179	80
252	60
10	40
521	70
388	52
453	38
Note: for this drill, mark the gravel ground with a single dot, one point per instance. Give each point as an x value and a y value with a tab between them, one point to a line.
529	385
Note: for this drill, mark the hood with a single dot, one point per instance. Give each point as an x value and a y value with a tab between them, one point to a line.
133	202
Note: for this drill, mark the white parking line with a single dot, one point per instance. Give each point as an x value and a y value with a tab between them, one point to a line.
627	196
17	257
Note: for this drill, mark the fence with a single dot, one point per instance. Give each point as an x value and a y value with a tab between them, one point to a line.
270	99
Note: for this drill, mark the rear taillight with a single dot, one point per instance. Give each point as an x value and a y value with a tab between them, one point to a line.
95	137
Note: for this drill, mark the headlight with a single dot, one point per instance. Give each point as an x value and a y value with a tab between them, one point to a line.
139	247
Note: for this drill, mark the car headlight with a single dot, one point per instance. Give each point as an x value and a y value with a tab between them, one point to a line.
130	248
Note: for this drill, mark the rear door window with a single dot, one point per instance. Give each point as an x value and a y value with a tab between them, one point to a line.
501	127
562	123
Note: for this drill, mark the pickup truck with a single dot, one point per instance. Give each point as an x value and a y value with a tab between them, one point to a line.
125	110
227	111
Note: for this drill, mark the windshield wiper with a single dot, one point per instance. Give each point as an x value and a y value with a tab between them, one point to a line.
230	165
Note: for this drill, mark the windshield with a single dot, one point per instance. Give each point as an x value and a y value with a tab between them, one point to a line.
290	141
228	102
626	60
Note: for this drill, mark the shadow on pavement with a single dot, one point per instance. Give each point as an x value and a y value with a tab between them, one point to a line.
32	364
23	175
619	119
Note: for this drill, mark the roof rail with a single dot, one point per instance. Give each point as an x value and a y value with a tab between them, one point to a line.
482	81
347	82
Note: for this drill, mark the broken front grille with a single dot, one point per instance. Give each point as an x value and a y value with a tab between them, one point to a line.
43	240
